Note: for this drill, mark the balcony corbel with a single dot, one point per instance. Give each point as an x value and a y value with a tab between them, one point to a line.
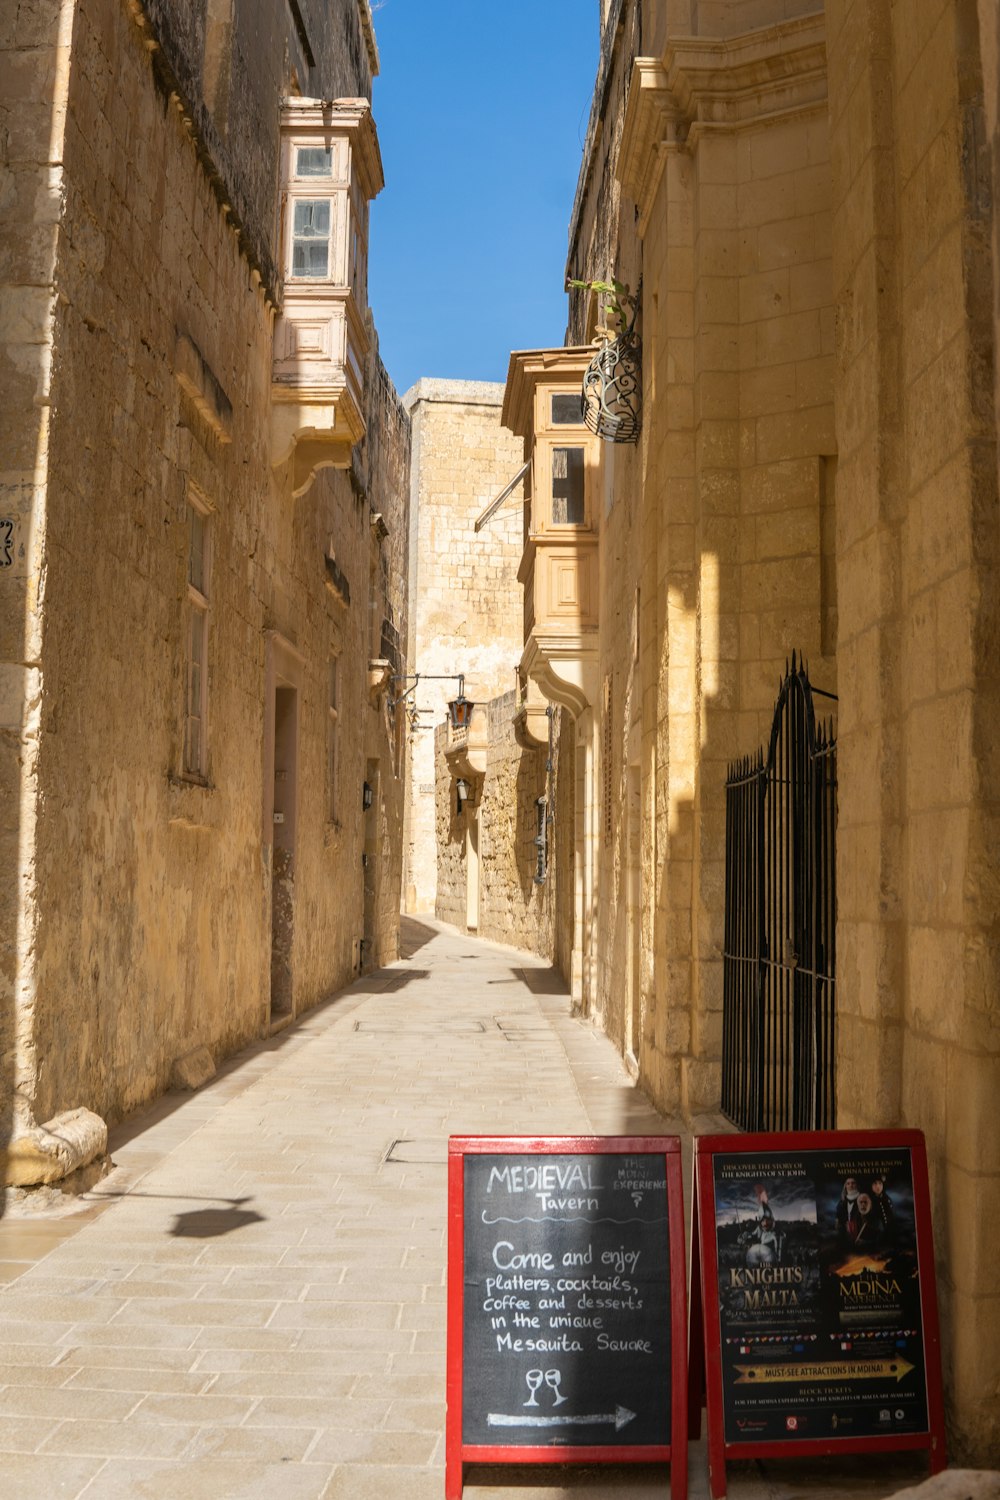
467	749
531	720
564	669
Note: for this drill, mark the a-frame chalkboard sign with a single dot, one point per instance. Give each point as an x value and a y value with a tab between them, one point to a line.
814	1325
566	1303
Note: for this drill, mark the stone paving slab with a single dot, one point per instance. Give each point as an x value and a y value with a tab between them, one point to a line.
252	1303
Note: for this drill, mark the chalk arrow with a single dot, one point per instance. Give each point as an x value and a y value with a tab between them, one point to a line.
616	1419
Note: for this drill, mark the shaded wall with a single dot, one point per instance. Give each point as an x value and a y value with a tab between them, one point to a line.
143	897
918	564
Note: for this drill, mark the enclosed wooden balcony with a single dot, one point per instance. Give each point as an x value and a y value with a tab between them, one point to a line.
331	169
560	564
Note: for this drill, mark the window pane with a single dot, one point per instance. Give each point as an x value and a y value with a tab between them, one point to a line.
194	706
567	486
567	410
310	258
332	771
192	748
311	237
312	218
197	637
196	557
314	161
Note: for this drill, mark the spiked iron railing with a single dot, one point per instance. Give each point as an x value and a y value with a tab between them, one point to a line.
778	1068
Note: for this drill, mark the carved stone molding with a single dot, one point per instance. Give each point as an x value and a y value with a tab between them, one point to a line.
703	84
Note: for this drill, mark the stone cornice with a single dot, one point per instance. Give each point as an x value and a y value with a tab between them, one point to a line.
708	83
733	80
611	34
652	124
368	32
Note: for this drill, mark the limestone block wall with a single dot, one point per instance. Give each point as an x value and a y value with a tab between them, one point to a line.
466	609
818	470
223	60
717	531
387	464
502	825
917	556
142	897
34	42
989	51
604	243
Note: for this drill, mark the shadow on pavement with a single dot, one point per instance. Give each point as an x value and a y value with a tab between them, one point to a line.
543	981
413	936
210	1223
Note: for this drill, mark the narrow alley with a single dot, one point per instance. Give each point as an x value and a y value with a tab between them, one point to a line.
252	1302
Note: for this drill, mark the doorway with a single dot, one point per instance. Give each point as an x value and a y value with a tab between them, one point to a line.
372	813
286	714
633	977
472	873
279	830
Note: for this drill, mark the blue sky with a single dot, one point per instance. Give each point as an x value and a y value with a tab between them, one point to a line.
481	111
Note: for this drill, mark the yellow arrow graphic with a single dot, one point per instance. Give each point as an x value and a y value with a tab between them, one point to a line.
868	1369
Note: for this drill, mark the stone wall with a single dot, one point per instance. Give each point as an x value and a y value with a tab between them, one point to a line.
604	244
387	464
466	610
142	896
918	565
717	528
817	472
226	64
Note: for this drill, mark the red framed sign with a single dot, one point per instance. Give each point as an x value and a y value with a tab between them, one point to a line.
566	1303
816	1330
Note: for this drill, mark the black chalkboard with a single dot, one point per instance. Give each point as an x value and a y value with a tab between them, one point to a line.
566	1324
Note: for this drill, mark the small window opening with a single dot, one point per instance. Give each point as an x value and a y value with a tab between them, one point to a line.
195	758
567	410
333	720
567	486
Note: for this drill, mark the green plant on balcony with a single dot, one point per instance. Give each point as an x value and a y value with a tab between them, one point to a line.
620	303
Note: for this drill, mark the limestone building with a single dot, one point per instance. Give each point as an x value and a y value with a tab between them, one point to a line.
799	203
203	531
465	602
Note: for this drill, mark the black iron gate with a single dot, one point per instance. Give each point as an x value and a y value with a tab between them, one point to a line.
778	1051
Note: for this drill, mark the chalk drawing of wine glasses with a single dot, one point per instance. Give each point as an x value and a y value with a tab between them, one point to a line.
534	1379
553	1379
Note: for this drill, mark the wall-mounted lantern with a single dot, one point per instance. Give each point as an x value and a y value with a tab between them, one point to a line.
463	792
460	708
366	797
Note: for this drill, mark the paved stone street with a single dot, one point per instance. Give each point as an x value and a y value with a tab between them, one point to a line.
253	1302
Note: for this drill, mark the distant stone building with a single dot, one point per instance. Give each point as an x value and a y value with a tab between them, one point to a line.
465	601
203	531
482	824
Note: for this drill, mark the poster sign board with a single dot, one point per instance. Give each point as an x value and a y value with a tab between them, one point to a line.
816	1329
566	1303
